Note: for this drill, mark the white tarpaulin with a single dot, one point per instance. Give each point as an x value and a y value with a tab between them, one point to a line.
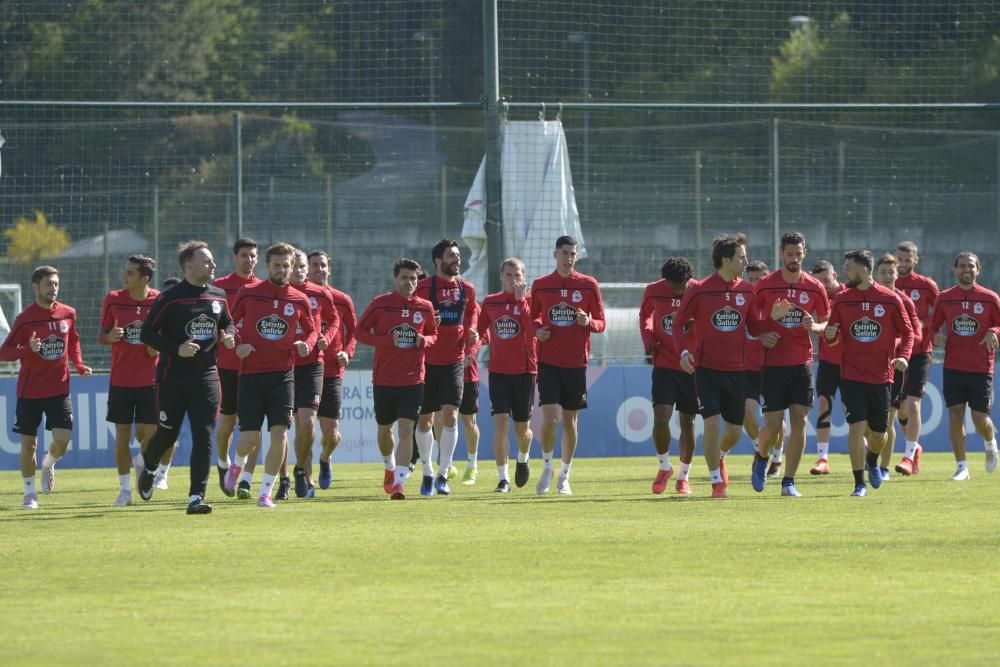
538	201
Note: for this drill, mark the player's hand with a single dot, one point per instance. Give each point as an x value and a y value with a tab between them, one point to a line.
473	337
938	339
85	371
769	339
188	349
302	348
227	340
343	359
114	334
687	363
653	347
437	317
520	289
34	343
780	308
243	350
831	331
421	341
543	334
990	341
808	323
152	351
582	318
322	344
467	361
900	364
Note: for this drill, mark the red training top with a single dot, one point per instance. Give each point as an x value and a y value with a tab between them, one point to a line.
870	322
131	363
968	315
452	300
555	302
271	315
923	292
505	325
231	284
399	359
326	321
656	318
807	295
344	339
44	373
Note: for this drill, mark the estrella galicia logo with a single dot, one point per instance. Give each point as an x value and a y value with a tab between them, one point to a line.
272	327
727	319
52	348
965	325
506	327
667	324
405	335
132	330
866	330
562	315
202	327
793	318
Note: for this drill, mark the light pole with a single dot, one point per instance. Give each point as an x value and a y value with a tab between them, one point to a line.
583	39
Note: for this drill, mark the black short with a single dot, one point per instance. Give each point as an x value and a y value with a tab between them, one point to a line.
918	369
828	380
470	399
392	403
864	401
565	386
675	388
58	413
132	405
976	389
898	385
752	385
333	398
512	394
442	386
229	382
308	386
721	392
784	386
266	395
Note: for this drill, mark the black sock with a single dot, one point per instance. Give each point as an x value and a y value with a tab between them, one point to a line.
787	481
872	459
859	476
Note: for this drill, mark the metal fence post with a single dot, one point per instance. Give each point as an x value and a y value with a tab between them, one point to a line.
775	194
494	144
238	171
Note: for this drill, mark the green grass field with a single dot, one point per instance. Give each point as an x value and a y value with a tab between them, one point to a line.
611	575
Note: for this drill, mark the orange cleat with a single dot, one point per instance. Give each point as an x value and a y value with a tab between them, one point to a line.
397	492
821	467
660	483
724	472
388	479
682	487
905	467
916	459
719	490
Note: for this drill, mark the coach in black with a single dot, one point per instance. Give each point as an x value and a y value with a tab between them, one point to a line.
184	324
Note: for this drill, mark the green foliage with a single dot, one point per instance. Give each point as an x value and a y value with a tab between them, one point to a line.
31	238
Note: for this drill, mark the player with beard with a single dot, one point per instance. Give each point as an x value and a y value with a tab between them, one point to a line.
828	375
867	319
444	383
44	340
970	314
924	292
798	306
672	387
278	326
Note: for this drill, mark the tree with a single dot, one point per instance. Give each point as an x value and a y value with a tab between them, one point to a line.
31	238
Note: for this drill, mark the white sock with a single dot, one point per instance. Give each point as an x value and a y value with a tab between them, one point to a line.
503	473
48	461
564	470
776	454
224	462
29	484
722	454
547	459
715	476
125	481
990	445
191	499
664	461
425	447
823	450
962	465
522	457
246	476
473	461
162	470
241	461
684	470
267	485
389	462
447	442
402	472
911	448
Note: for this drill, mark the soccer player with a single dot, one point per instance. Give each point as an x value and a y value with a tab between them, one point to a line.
723	311
867	319
132	390
469	408
566	307
278	325
185	324
335	360
828	375
754	361
451	297
244	263
798	307
400	326
505	324
309	372
971	315
671	387
44	340
886	273
923	291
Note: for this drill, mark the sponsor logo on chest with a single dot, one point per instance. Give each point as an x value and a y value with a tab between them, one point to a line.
562	315
506	327
405	335
272	327
866	330
793	318
202	327
52	348
965	325
667	324
132	330
728	318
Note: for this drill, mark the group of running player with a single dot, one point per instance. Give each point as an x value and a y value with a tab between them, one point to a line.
241	348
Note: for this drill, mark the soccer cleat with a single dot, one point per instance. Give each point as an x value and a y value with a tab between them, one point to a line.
916	458
885	474
522	473
388	479
232	477
427	486
284	486
774	469
991	460
145	484
30	501
821	467
562	486
544	481
723	471
470	476
503	486
199	506
397	492
300	482
243	490
682	487
719	490
662	477
961	475
905	467
265	502
161	482
758	473
222	481
325	475
790	490
441	485
452	472
310	491
48	479
860	491
875	476
124	499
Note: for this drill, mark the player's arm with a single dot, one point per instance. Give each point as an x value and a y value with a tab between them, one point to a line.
937	321
349	321
109	332
328	313
902	321
685	313
832	330
646	321
483	325
365	331
74	352
151	333
429	335
470	318
911	312
597	321
307	320
15	346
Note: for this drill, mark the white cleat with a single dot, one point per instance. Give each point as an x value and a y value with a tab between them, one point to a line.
48	479
991	460
562	486
124	499
542	487
161	482
961	475
30	501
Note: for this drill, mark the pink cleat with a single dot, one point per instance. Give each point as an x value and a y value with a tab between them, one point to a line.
232	477
265	502
662	477
388	479
397	492
682	487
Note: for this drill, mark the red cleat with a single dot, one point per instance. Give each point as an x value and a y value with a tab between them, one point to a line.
719	490
724	472
682	487
905	467
773	469
821	467
388	479
916	459
660	483
397	492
